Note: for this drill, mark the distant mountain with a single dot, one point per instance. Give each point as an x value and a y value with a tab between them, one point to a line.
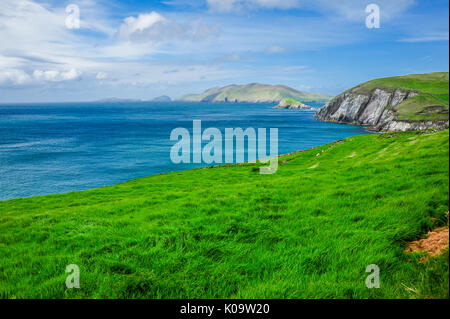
254	93
162	98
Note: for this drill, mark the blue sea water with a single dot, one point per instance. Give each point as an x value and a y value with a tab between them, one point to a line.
57	148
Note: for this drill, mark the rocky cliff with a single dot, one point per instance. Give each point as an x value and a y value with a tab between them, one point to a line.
379	108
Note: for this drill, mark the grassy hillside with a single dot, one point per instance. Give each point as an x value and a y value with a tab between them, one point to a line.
431	103
431	83
289	101
254	93
308	231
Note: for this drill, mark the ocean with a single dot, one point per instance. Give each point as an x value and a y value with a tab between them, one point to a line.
58	148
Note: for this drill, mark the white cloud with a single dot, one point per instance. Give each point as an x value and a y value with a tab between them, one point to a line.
56	76
18	77
153	27
34	37
135	26
101	76
7	62
71	75
14	77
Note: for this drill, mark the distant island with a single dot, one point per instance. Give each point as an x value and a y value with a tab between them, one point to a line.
162	98
254	93
289	103
284	96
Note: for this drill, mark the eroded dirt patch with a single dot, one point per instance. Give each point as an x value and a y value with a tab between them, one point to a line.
435	243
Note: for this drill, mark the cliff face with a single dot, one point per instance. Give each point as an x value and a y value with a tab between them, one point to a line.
375	108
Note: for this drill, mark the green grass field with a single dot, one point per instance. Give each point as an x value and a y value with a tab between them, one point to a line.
290	101
308	231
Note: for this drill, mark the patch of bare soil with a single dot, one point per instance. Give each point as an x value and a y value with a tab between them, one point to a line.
435	243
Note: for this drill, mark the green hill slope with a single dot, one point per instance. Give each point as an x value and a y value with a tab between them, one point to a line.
288	103
254	93
430	83
308	231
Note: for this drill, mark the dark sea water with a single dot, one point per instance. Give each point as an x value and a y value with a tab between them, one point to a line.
57	148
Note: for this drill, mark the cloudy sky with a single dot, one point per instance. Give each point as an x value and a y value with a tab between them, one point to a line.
142	49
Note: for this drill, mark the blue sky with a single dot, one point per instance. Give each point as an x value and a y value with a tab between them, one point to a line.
143	49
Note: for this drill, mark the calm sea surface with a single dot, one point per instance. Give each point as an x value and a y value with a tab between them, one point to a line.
57	148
